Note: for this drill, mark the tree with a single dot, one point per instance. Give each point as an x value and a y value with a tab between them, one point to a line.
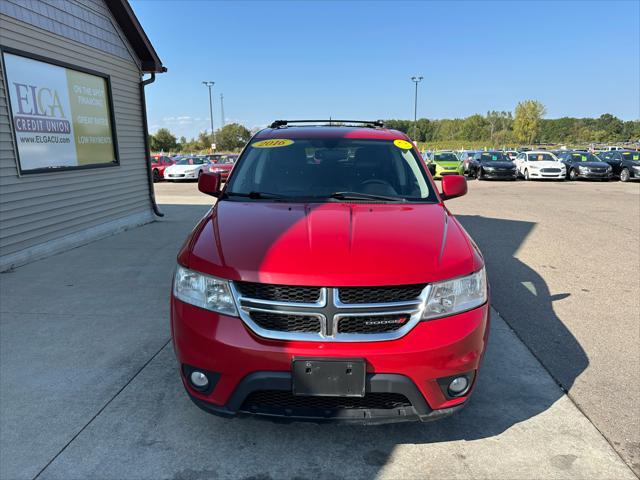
232	137
526	125
498	122
163	140
473	128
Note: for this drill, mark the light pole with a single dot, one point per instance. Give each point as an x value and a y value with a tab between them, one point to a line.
222	110
210	84
415	80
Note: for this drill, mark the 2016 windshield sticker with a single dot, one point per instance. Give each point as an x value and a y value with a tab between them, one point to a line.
403	144
273	143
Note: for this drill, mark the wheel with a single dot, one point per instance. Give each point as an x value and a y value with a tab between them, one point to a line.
156	175
479	174
526	174
625	176
573	174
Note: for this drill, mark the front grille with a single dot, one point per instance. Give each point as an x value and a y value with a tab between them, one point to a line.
265	400
278	293
371	323
598	170
550	170
283	322
402	293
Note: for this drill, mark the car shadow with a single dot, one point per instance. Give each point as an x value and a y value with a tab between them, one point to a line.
513	386
507	392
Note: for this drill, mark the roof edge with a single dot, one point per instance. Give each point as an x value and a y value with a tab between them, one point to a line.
135	34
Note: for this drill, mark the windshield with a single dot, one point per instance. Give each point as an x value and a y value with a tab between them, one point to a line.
540	157
191	161
445	157
494	157
318	169
584	157
635	156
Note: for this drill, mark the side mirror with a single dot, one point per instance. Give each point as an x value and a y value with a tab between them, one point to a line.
453	186
209	183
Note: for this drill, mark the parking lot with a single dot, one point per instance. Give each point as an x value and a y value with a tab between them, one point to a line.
90	386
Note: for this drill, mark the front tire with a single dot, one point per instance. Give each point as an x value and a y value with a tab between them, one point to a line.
156	175
526	175
573	174
480	174
625	176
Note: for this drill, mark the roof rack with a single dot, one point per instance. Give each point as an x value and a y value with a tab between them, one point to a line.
366	123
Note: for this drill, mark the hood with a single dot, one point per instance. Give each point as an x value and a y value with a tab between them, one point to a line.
331	244
491	163
593	164
546	164
182	168
448	163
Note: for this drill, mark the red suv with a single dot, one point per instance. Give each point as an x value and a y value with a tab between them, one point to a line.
330	282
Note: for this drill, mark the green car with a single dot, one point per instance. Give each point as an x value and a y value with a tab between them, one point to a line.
447	163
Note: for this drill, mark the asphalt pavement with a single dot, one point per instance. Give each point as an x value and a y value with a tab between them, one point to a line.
89	386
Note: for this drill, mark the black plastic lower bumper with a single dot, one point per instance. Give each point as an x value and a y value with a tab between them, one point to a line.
415	409
510	175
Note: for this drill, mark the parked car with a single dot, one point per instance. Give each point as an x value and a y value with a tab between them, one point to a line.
465	157
311	289
494	164
223	166
447	163
158	165
625	164
539	164
187	168
583	164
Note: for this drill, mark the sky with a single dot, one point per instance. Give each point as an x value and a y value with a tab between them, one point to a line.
354	60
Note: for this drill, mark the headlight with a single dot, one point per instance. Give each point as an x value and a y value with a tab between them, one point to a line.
583	169
457	295
609	168
203	291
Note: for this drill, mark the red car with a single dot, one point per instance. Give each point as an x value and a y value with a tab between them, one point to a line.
329	282
223	166
158	164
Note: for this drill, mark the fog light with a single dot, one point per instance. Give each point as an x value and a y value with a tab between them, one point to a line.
458	386
199	380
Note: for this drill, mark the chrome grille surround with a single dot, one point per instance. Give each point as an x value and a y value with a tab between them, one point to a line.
329	310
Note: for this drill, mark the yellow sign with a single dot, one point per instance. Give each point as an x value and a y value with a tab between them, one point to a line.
273	143
403	144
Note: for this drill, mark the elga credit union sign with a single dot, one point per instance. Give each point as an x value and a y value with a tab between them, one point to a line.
61	116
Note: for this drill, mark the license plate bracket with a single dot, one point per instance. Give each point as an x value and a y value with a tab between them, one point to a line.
328	377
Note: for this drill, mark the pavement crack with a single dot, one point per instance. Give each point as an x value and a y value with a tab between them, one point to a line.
120	390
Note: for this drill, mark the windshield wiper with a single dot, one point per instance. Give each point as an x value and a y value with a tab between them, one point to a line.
364	196
255	195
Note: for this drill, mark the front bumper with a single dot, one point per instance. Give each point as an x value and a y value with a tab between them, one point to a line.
442	171
538	174
600	175
244	363
505	174
181	176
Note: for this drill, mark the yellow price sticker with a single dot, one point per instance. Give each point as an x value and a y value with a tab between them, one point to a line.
272	143
403	144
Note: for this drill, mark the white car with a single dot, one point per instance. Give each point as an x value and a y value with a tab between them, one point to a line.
539	164
187	168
